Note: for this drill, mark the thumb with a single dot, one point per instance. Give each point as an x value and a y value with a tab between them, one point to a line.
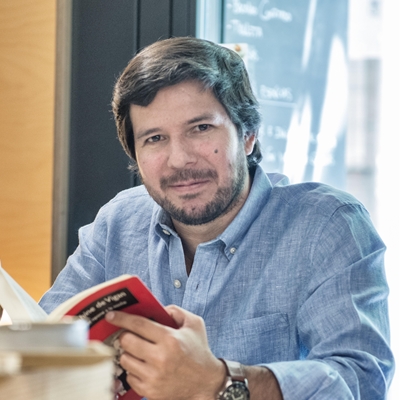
185	319
178	314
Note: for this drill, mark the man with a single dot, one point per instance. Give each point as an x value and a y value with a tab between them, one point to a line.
287	280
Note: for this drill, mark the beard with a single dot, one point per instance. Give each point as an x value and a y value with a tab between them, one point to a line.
224	200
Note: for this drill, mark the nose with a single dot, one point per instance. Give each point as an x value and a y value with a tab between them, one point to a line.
180	154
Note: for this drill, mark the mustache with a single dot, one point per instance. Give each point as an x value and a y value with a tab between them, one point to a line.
187	174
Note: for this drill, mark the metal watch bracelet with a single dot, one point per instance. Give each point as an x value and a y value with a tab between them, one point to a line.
236	382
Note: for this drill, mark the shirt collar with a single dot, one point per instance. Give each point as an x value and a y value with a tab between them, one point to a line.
232	236
258	196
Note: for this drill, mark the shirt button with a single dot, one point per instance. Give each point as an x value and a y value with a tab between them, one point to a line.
232	250
177	283
166	232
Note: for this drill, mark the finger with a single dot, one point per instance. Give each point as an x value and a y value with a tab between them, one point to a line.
136	346
137	371
136	384
184	318
140	326
118	386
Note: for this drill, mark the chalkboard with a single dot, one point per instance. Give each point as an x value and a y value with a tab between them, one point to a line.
296	58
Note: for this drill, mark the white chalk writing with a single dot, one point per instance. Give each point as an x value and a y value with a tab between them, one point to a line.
243	8
266	14
245	29
276	93
276	132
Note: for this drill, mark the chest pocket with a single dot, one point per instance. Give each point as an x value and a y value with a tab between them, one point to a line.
252	341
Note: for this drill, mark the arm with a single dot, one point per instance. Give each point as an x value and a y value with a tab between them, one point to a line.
105	247
85	268
342	322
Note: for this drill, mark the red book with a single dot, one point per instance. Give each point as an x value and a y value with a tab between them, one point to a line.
125	293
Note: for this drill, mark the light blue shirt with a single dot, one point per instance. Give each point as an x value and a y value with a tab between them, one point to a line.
296	283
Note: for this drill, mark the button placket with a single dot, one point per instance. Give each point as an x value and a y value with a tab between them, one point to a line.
200	278
177	269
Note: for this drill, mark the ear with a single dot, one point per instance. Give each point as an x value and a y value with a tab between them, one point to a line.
249	141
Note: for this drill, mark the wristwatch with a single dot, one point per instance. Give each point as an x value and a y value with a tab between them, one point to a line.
236	384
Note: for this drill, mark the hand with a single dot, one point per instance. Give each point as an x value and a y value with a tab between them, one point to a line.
165	363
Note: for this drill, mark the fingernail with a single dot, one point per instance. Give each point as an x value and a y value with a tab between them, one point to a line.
110	316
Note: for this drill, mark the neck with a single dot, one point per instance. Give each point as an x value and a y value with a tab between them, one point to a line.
192	236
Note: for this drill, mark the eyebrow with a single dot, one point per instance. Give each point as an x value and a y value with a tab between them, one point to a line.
205	116
147	132
151	131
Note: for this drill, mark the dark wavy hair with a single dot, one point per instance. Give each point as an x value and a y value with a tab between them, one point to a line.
172	61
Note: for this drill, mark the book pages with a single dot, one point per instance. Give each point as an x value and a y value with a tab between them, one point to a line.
17	302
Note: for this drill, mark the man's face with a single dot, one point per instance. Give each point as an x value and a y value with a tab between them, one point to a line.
189	155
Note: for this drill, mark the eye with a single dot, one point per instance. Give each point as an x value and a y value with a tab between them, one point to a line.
153	139
203	127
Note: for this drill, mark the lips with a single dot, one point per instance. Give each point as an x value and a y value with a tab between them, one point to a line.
187	179
188	186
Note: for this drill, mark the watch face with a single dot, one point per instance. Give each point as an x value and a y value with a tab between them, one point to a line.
236	391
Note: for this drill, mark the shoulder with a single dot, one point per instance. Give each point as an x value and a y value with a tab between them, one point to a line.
137	194
136	197
316	197
329	218
130	206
